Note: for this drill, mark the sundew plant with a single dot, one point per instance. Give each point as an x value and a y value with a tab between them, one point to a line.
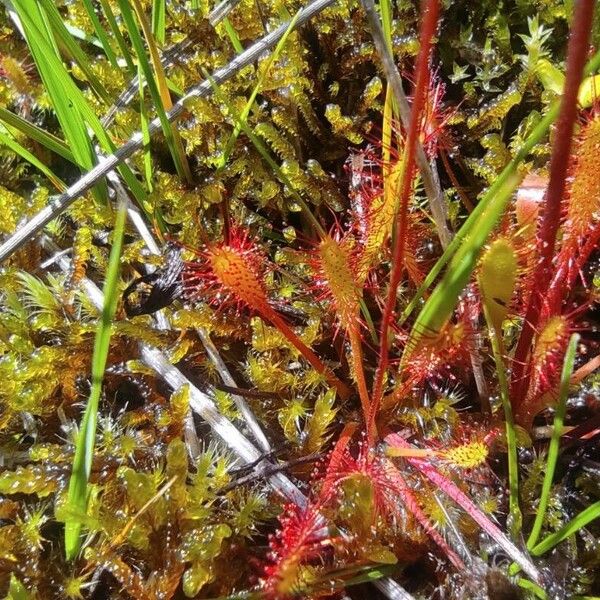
298	300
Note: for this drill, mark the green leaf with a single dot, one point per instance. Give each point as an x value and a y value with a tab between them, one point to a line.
72	109
84	448
114	27
554	447
585	517
65	96
144	121
36	133
158	20
56	21
497	279
156	82
30	158
100	33
16	590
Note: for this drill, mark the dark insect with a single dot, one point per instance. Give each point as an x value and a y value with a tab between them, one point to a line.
149	293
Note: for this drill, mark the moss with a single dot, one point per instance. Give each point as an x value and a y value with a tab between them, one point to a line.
293	311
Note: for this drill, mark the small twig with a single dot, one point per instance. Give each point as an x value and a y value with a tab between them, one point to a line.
247	467
269	470
107	164
240	402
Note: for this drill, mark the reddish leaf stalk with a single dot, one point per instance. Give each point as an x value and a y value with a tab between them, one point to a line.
390	489
561	151
268	313
428	27
359	373
455	493
336	271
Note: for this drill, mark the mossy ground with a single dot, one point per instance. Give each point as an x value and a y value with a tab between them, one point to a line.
171	510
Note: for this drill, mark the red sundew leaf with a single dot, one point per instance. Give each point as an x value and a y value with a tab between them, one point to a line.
336	459
546	364
303	537
390	490
455	493
412	504
228	273
232	272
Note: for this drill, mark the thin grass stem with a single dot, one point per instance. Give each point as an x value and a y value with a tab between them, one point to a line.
84	448
553	449
584	518
516	517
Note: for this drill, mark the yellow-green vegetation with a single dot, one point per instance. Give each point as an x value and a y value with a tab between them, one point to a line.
277	350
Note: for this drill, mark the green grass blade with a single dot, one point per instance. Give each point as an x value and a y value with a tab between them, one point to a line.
490	197
145	133
243	117
516	518
33	160
585	517
440	305
63	92
78	34
533	588
389	108
84	449
114	27
16	590
11	120
553	449
158	20
73	110
155	81
72	48
233	36
100	33
385	9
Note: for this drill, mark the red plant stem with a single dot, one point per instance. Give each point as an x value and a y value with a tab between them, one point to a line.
359	373
561	151
428	27
455	493
270	315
